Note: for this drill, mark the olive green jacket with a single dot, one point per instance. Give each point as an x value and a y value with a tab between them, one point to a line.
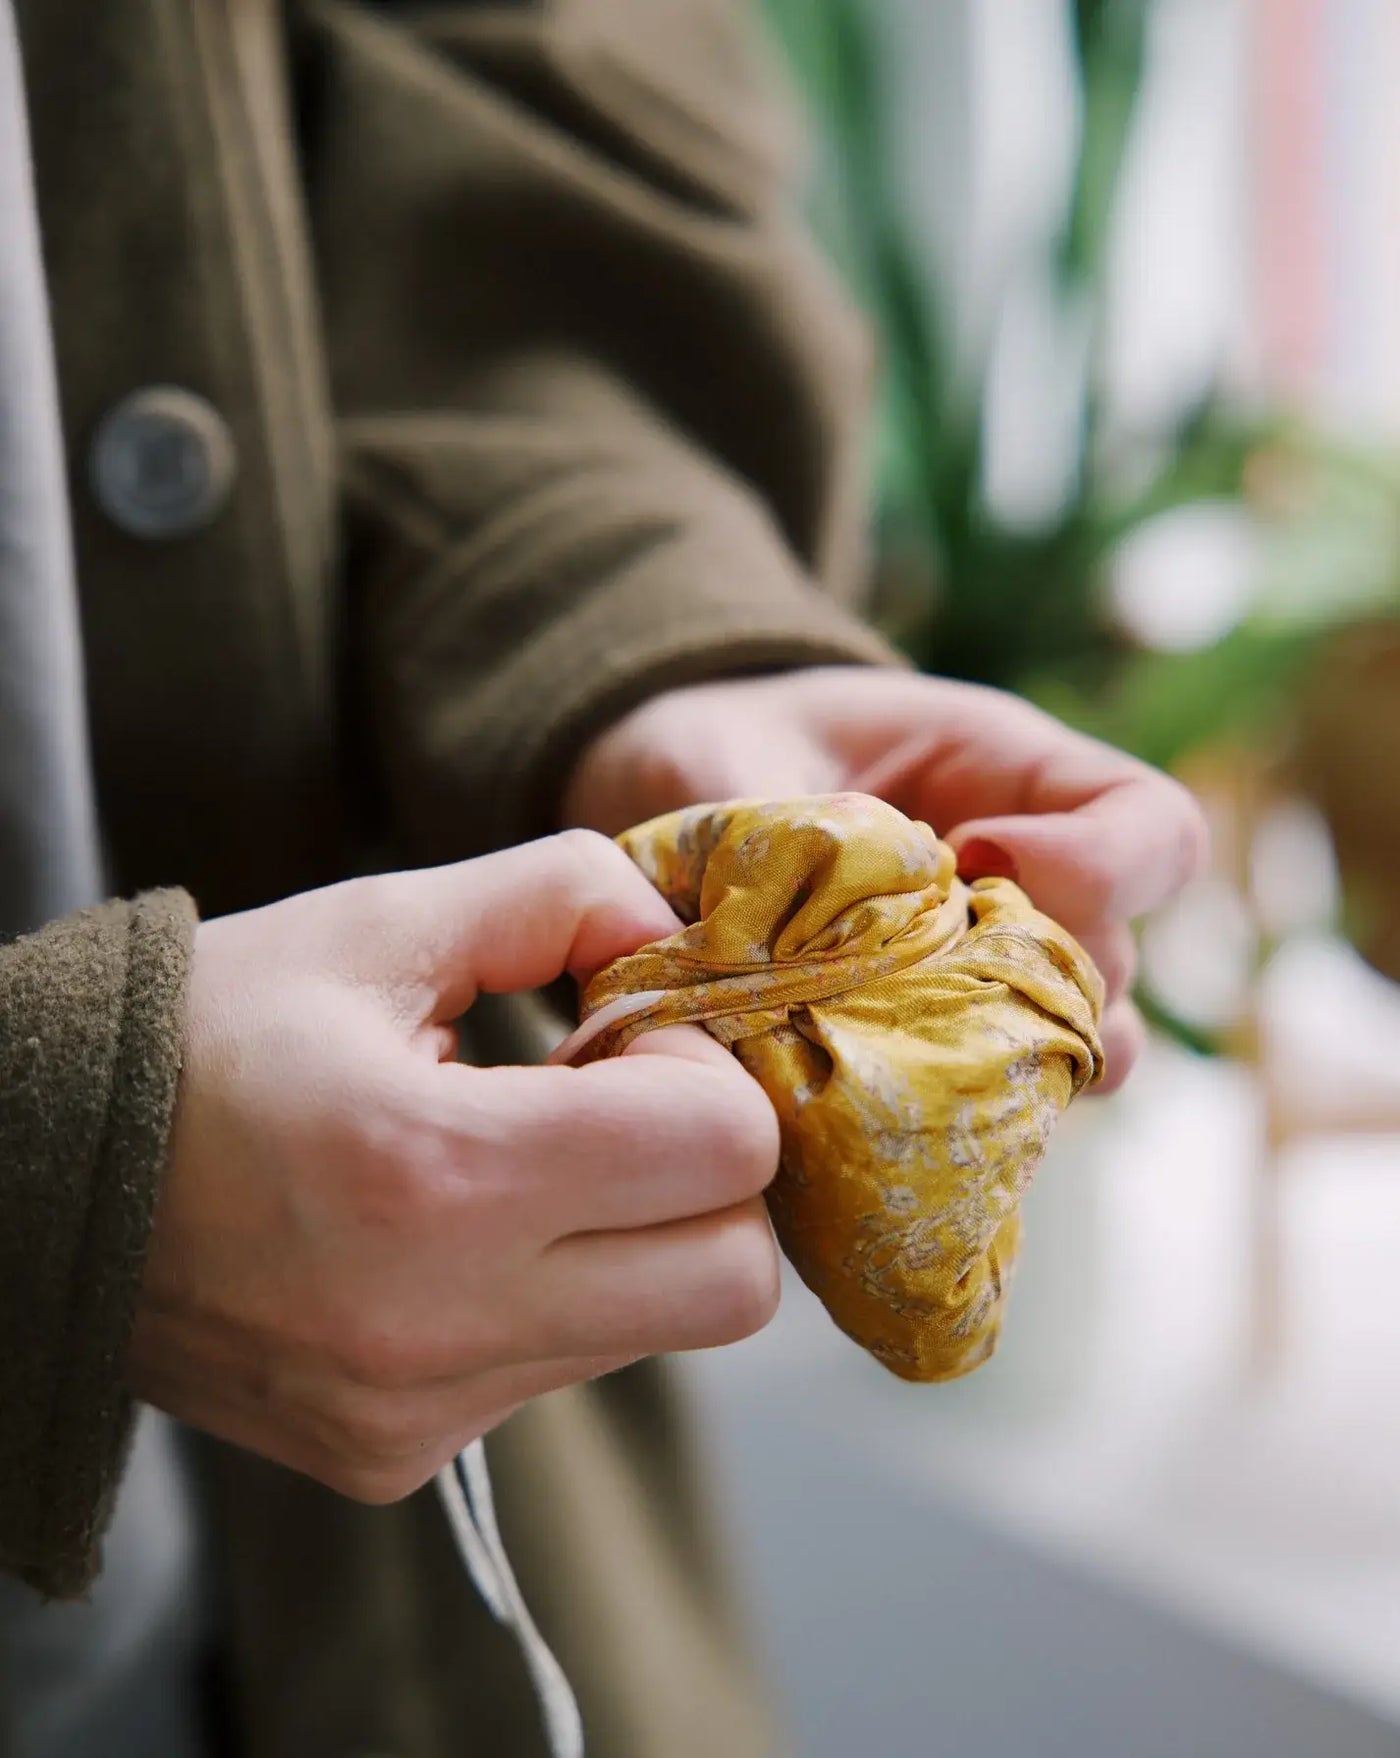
528	401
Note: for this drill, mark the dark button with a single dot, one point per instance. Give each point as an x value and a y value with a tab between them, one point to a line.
162	463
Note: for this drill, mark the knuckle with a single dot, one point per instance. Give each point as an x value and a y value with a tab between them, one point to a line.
739	1135
1184	827
744	1293
590	854
1194	834
601	875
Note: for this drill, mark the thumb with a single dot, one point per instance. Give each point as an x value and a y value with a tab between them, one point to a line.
516	920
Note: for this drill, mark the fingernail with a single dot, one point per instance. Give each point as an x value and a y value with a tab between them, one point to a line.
984	859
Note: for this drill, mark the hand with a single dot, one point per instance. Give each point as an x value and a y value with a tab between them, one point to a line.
365	1253
1095	837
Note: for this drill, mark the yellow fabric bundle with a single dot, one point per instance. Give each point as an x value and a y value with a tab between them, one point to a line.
918	1037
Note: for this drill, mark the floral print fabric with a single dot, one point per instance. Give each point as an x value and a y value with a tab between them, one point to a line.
918	1037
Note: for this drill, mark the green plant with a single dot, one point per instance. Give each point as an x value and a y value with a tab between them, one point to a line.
983	600
1027	609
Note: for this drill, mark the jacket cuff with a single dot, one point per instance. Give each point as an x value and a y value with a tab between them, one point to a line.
91	1025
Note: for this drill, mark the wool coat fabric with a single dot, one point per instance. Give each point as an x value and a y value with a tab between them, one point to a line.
530	400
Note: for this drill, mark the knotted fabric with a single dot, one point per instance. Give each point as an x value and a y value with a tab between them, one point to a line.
918	1037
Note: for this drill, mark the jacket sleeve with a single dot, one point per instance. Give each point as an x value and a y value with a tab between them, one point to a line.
603	412
91	1016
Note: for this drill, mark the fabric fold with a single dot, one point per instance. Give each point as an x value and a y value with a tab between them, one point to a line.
918	1037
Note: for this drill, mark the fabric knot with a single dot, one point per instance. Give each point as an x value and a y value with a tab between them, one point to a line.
918	1037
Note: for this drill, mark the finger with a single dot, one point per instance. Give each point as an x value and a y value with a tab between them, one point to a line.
673	1129
1089	831
506	922
1124	1036
1113	948
684	1043
1114	858
688	1285
961	751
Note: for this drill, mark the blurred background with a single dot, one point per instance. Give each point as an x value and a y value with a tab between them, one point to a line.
1135	265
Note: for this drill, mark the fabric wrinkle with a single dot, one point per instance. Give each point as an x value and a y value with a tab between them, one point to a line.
919	1038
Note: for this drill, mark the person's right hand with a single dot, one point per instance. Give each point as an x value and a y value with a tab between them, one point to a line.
367	1254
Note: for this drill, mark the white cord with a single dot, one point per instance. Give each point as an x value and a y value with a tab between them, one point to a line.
470	1542
465	1489
608	1014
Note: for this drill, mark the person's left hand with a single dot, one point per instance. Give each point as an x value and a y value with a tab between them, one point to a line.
1095	837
